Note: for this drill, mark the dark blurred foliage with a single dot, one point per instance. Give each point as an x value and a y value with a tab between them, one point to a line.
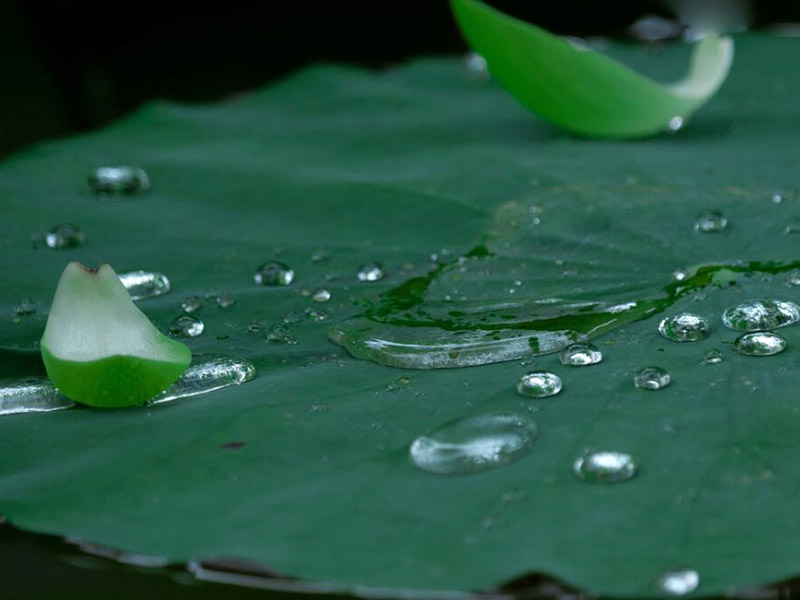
73	65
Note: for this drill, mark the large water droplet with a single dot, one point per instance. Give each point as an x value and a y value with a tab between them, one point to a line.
580	354
539	384
145	284
605	467
684	327
118	180
759	343
274	273
370	271
711	221
31	394
26	306
65	235
652	378
206	374
713	356
186	326
758	315
473	444
192	304
679	583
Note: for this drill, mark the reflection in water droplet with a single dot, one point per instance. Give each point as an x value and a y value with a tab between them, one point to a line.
713	356
675	124
652	378
225	299
679	583
473	444
206	374
30	394
65	236
684	327
192	304
539	384
280	334
580	354
759	343
274	273
757	315
186	326
370	271
118	180
145	284
321	295
710	221
26	306
794	278
605	467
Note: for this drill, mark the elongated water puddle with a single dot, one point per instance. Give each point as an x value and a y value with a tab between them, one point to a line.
403	329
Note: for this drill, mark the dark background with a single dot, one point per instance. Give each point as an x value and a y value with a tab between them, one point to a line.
74	65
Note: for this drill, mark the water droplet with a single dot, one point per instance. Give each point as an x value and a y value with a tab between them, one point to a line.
320	255
675	124
118	180
759	343
605	467
31	394
475	63
710	221
791	229
757	315
370	271
26	306
321	295
225	299
680	275
65	236
186	326
684	327
312	314
539	384
274	273
713	356
578	355
208	373
473	444
652	378
145	284
192	304
280	334
777	198
794	278
679	583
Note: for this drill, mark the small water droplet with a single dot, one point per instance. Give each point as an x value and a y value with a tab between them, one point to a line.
30	394
186	326
679	583
320	255
684	327
605	467
777	198
118	180
208	373
652	378
476	65
280	334
321	295
473	444
757	315
26	306
791	229
192	304
794	278
225	299
370	271
710	221
274	273
145	284
680	275
713	356
312	314
65	236
581	354
675	124
759	343
539	384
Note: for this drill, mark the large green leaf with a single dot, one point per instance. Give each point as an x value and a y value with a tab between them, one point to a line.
393	167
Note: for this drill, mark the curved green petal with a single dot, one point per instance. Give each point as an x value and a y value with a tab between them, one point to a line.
581	90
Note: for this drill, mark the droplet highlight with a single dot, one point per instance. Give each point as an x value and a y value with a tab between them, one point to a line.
652	378
539	384
31	395
679	583
186	326
761	314
64	236
370	272
605	467
473	444
274	273
208	373
684	327
759	343
145	284
580	355
118	181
